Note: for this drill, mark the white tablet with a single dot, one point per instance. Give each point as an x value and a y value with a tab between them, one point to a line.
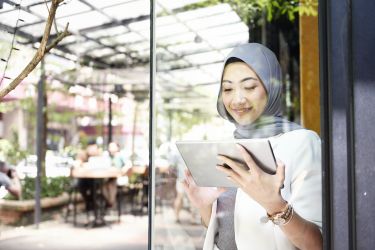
201	158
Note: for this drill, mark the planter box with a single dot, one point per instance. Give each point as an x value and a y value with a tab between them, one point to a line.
22	212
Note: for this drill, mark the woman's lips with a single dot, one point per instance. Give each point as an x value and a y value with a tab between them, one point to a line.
241	111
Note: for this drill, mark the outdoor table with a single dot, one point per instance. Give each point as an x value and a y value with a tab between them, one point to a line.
99	174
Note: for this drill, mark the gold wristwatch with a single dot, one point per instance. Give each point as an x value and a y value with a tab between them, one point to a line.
283	217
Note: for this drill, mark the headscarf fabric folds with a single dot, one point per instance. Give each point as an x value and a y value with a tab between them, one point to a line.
265	64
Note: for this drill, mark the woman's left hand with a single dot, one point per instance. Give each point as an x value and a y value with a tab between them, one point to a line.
262	187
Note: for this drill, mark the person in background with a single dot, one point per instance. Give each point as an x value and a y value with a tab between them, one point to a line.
9	179
175	160
86	185
117	161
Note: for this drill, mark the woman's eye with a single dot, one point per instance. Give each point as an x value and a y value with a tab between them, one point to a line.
250	88
227	90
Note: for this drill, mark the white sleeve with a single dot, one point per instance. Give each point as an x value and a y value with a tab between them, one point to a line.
306	182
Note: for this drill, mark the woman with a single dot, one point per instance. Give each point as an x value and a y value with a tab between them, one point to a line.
280	211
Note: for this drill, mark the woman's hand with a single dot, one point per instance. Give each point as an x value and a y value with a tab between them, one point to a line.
262	187
200	197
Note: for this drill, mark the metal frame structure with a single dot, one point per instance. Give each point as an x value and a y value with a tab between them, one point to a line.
112	37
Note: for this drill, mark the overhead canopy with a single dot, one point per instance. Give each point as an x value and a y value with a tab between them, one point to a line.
111	41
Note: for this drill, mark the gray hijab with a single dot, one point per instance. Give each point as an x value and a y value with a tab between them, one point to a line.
264	62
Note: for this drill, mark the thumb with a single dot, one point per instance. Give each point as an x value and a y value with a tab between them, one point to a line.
221	190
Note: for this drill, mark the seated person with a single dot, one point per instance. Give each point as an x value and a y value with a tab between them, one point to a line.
118	161
86	185
9	179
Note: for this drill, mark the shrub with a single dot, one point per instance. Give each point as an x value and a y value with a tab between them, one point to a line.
50	187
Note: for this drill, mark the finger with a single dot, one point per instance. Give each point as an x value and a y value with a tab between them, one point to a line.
248	159
233	176
235	166
189	177
187	172
187	188
185	185
227	171
238	184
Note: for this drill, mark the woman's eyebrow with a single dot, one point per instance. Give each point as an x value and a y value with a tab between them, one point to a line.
248	78
242	80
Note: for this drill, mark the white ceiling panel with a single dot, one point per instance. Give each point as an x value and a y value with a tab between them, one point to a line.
82	47
189	48
173	4
69	8
7	7
230	41
130	37
141	25
192	76
117	57
170	30
107	3
68	39
129	10
114	31
101	52
165	20
10	18
144	53
122	49
203	58
204	12
139	46
224	30
181	38
37	30
213	69
145	34
85	20
215	20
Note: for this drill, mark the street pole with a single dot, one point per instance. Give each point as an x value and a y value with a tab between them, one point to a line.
152	130
109	120
39	144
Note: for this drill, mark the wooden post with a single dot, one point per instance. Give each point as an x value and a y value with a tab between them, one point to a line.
309	68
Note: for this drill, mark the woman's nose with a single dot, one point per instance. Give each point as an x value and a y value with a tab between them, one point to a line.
239	98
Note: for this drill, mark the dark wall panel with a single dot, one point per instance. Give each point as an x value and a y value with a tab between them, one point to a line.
363	50
339	87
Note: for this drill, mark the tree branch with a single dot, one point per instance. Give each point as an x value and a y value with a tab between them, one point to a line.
42	50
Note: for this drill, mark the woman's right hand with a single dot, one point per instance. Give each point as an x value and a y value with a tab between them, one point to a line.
200	197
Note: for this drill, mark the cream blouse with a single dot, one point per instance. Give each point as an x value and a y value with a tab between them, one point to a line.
300	151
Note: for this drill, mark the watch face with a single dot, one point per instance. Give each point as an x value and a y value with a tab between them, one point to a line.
279	221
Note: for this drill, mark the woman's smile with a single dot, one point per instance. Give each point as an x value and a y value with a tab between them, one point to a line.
241	111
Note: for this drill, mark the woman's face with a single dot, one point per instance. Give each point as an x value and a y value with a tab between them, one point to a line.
244	95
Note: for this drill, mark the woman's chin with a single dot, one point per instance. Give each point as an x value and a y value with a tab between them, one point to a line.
244	122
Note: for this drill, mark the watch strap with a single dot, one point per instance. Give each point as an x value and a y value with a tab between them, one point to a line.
283	217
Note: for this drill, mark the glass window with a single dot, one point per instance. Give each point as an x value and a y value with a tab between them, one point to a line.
192	43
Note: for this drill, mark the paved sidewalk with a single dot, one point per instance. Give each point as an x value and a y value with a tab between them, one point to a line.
130	233
188	234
